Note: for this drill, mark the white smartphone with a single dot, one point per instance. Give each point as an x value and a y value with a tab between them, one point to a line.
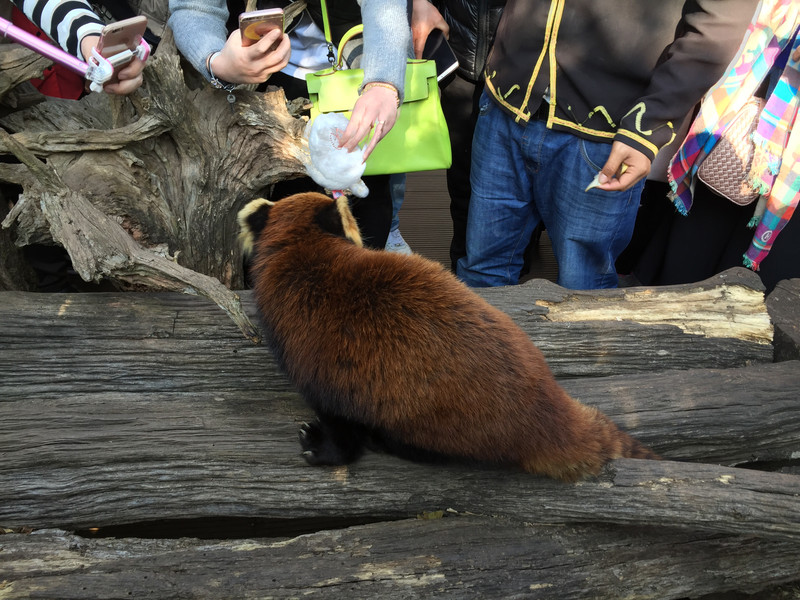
117	37
256	24
438	50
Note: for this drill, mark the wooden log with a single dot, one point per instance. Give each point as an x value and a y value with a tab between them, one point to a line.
153	407
598	344
783	305
720	322
455	557
108	458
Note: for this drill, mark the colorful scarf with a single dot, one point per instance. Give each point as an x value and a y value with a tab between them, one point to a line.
776	166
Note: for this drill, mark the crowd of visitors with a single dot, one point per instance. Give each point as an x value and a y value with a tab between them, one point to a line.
588	118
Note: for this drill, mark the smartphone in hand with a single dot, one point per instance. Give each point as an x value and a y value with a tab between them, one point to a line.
118	37
438	50
256	24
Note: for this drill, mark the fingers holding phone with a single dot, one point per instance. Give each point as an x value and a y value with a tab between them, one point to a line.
129	79
256	50
119	42
271	52
252	64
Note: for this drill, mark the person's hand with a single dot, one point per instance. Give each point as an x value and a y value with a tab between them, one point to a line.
252	64
130	75
796	55
424	19
613	178
375	110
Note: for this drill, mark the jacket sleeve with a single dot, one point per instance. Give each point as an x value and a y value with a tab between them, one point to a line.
706	39
65	21
199	28
387	41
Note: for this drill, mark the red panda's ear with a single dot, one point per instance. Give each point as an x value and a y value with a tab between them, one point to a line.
252	220
336	218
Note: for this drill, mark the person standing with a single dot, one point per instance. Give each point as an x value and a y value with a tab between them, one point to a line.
202	36
76	28
708	233
578	89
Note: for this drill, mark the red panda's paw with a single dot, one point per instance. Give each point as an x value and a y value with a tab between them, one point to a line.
331	442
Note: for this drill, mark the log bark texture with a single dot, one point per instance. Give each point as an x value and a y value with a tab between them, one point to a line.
457	557
108	459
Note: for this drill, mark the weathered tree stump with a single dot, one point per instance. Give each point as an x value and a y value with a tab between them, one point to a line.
144	190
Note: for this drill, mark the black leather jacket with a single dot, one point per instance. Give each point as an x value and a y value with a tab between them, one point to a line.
472	27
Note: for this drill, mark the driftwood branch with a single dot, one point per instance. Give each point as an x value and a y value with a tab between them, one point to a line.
18	65
100	247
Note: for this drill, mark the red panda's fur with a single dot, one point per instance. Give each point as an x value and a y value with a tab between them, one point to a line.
398	344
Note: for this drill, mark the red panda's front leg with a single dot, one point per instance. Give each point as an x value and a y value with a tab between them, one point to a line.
332	441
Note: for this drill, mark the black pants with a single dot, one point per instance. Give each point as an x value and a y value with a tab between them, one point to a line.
373	213
460	106
710	239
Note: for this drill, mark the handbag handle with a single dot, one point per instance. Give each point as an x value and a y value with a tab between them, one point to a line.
348	35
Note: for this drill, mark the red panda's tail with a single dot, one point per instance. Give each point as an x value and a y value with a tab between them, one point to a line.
596	440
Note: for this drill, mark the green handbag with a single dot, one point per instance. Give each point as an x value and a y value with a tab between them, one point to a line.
419	140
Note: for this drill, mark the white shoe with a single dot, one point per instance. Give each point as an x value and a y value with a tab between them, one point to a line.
396	243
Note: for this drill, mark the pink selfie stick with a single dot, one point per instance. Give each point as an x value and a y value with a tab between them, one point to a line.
98	69
42	47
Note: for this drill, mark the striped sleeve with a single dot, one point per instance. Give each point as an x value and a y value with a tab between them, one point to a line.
65	21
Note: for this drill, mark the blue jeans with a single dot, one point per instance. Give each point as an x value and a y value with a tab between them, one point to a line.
397	189
525	173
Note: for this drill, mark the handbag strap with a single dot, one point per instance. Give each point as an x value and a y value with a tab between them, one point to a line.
326	26
336	62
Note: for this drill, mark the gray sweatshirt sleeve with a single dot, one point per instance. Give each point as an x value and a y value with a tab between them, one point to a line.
65	21
199	29
387	41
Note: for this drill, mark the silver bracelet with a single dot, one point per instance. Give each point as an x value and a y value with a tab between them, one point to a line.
217	83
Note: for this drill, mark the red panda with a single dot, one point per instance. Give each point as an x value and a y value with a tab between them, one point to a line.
393	351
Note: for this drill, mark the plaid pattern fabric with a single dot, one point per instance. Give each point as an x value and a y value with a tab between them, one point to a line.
775	168
781	203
